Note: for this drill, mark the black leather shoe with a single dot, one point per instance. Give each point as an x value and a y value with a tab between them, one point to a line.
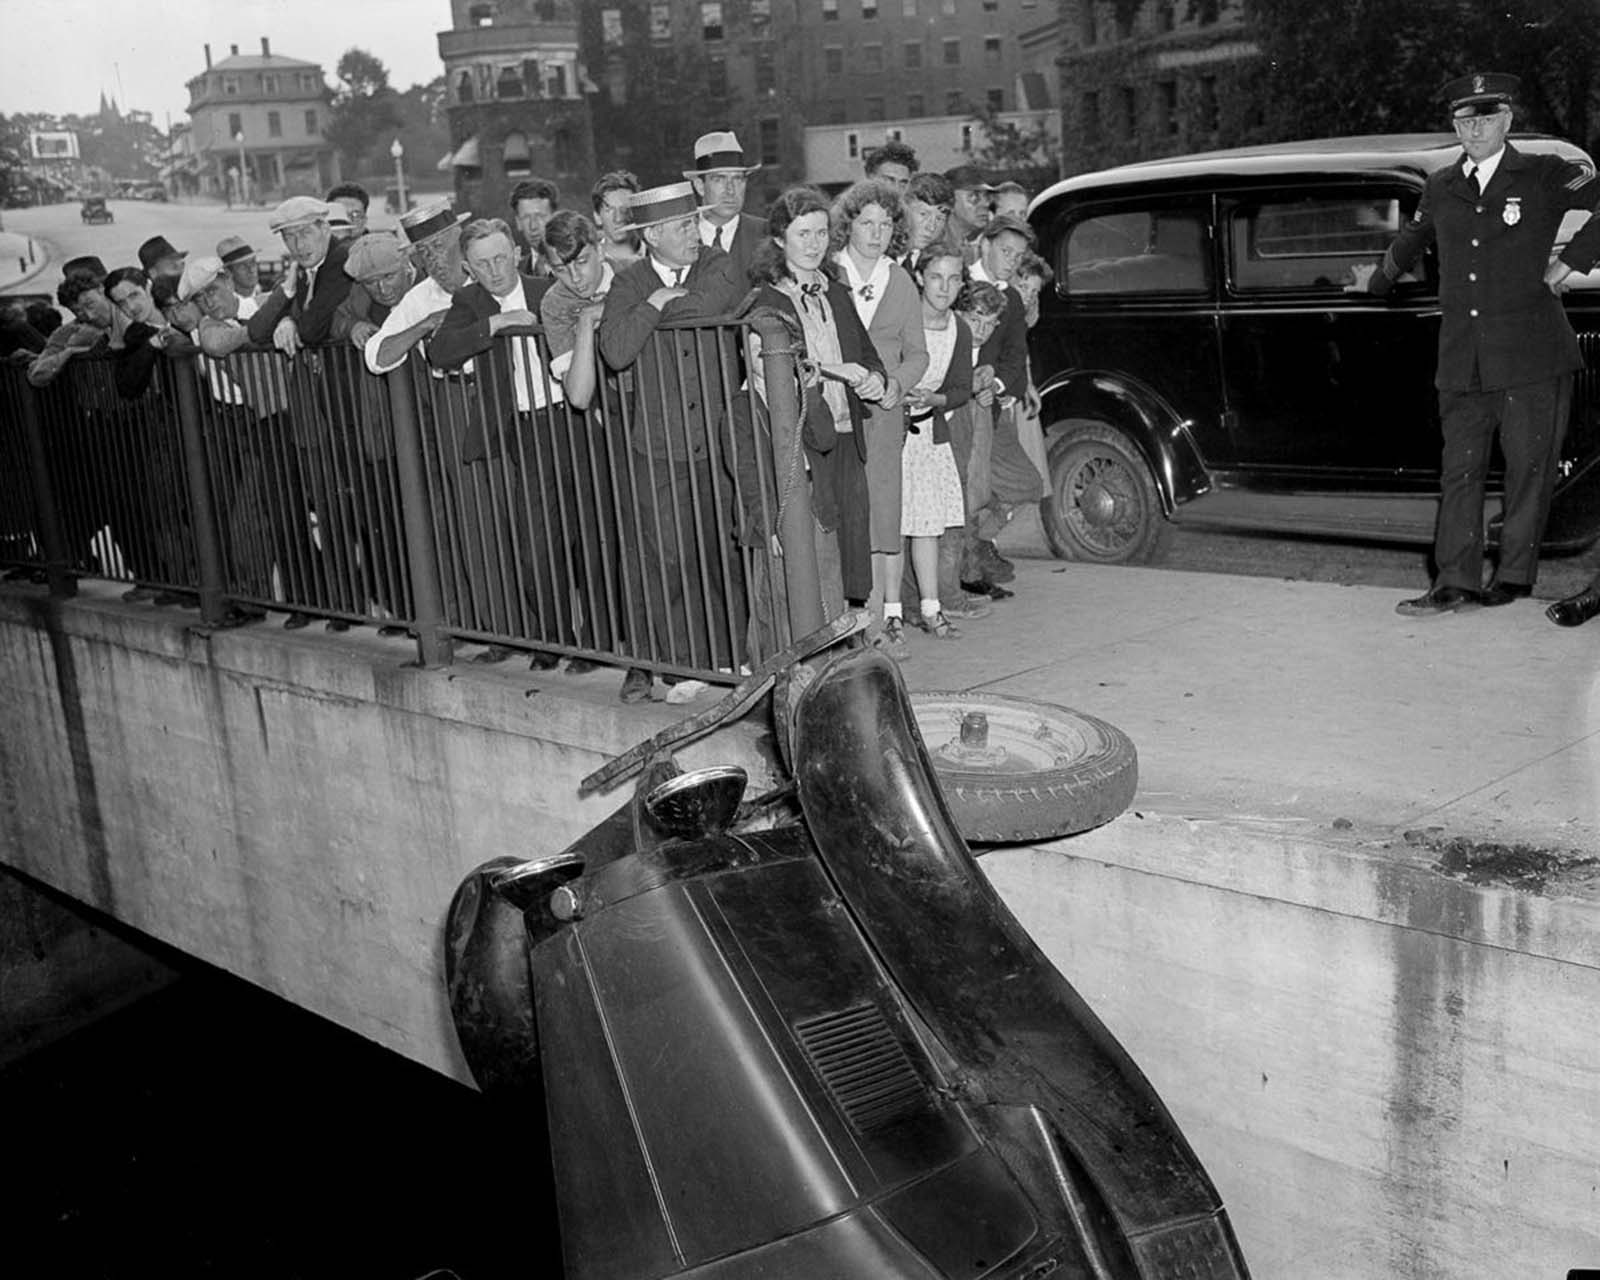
1575	610
295	621
1500	593
636	685
393	629
581	666
983	587
542	661
1440	600
493	654
336	625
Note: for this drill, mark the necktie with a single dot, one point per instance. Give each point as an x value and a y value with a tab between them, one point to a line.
677	276
1476	177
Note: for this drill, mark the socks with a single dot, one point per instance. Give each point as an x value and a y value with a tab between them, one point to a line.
930	609
892	610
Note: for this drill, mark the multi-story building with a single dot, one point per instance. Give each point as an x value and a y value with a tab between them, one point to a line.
1142	80
516	100
259	126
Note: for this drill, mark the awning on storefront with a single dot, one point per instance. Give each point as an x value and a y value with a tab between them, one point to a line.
466	156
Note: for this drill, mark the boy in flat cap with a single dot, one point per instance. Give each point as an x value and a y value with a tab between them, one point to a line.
1506	350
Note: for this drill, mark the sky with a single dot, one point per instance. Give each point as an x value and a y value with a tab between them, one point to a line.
57	55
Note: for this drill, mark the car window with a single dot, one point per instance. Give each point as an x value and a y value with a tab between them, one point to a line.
1312	243
1136	252
1570	224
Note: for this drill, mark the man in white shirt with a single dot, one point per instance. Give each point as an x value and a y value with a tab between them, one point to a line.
720	178
433	231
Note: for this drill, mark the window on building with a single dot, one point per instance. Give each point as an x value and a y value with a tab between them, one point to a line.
531	76
269	84
274	125
997	99
481	15
948	8
464	87
852	145
952	52
1130	112
1166	15
766	70
872	56
955	103
830	10
769	140
833	59
235	124
1208	104
913	55
545	10
557	83
1088	30
989	6
1167	96
611	27
230	85
908	8
760	15
717	77
660	21
895	135
711	20
915	106
1125	15
508	84
312	126
514	153
874	108
869	9
991	51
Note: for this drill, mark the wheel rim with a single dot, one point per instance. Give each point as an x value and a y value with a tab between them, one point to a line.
1019	739
1101	501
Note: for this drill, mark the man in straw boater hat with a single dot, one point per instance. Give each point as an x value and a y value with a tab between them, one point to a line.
674	443
1506	349
432	234
720	177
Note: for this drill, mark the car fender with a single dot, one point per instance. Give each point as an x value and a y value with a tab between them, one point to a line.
1163	436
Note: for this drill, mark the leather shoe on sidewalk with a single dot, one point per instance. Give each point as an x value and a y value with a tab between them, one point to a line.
1440	600
636	685
1575	610
1499	593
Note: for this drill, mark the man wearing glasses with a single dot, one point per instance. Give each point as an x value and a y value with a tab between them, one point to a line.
1506	350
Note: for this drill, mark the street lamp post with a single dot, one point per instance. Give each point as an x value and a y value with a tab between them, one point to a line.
398	152
244	171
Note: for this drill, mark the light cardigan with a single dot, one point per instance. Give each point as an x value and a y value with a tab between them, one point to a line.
894	324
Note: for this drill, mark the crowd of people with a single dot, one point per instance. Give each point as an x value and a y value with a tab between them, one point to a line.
910	294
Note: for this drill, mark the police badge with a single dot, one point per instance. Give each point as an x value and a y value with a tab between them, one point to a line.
1512	213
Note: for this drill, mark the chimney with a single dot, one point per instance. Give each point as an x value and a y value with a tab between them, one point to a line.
233	50
266	49
208	57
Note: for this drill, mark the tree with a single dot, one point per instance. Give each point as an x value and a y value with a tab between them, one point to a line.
1023	153
365	109
1371	66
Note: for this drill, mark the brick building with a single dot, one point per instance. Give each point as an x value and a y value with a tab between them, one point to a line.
1142	80
268	114
516	101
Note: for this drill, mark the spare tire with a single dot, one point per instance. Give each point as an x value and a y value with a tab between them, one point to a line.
1015	770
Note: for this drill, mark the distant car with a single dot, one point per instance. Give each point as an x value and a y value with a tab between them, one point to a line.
1205	356
94	210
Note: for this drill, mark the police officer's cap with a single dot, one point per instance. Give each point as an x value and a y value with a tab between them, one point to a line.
1480	94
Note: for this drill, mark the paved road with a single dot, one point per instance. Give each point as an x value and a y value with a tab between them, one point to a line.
194	227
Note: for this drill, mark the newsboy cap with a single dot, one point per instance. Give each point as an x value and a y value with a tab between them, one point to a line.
297	210
1006	222
968	177
373	255
88	265
197	275
1480	94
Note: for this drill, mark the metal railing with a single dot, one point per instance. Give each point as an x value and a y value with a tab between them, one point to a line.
639	532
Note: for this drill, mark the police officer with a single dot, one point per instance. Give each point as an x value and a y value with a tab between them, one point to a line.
1506	350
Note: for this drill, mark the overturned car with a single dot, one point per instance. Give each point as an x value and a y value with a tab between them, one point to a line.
822	1048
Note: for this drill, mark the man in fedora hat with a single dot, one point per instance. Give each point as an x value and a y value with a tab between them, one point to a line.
160	260
1506	349
236	255
720	177
432	231
677	465
300	309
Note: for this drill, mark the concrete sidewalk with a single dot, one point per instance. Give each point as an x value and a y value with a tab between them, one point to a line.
21	259
1306	705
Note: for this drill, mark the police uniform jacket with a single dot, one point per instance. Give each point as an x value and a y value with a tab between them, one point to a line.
1500	321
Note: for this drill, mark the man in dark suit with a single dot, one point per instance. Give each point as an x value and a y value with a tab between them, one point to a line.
679	481
513	469
720	178
292	315
1506	350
